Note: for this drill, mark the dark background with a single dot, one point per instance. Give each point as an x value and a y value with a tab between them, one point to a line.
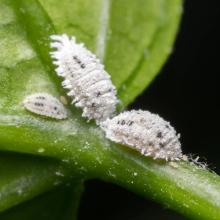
186	93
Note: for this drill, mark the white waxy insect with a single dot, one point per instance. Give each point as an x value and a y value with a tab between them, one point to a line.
146	132
85	77
45	104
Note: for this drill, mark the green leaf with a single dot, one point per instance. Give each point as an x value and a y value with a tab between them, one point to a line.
118	32
154	56
60	204
19	61
25	176
132	41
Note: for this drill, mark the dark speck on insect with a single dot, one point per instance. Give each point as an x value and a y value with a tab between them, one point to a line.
159	134
130	123
38	104
167	126
161	145
123	122
98	94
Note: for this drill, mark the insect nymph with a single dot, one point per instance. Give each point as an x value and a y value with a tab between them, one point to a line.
85	77
145	132
45	104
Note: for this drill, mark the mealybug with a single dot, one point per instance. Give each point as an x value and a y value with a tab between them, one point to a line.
146	132
85	77
45	104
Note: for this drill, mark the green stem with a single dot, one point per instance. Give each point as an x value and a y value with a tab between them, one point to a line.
60	204
193	192
72	202
25	176
188	190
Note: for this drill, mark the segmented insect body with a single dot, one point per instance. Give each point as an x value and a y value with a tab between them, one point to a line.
146	132
45	104
85	77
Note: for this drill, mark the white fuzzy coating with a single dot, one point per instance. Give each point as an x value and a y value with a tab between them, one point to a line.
146	132
45	104
85	77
